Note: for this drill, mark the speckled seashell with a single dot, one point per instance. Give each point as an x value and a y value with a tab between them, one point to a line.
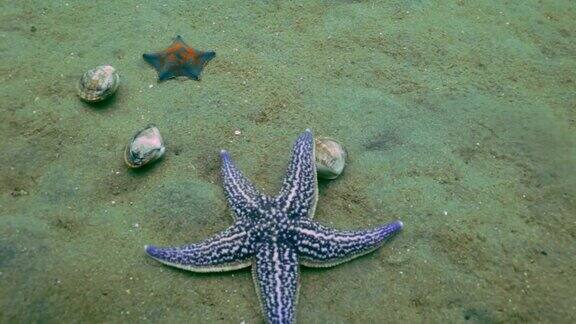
98	84
145	147
330	158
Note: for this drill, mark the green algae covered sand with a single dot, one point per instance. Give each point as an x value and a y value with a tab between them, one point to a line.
458	118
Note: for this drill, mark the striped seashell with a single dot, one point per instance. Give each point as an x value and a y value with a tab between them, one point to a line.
145	147
98	84
330	158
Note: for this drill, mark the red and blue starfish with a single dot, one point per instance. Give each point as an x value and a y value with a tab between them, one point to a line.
179	60
275	235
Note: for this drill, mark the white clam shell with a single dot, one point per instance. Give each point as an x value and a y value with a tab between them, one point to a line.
98	84
330	158
145	147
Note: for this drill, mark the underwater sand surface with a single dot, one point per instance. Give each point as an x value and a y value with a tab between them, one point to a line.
459	118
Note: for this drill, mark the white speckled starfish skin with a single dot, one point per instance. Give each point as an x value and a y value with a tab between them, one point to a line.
275	235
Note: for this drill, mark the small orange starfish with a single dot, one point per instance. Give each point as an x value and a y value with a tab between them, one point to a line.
179	60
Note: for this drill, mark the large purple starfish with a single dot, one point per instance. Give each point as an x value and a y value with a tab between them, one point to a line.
275	235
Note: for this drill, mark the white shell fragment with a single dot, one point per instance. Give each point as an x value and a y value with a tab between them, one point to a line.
330	158
145	147
98	84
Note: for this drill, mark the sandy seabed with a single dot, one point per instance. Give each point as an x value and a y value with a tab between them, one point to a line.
459	118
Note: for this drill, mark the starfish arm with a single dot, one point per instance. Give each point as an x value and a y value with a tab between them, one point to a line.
242	196
179	39
206	57
231	249
154	59
276	277
165	75
192	71
299	191
320	246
